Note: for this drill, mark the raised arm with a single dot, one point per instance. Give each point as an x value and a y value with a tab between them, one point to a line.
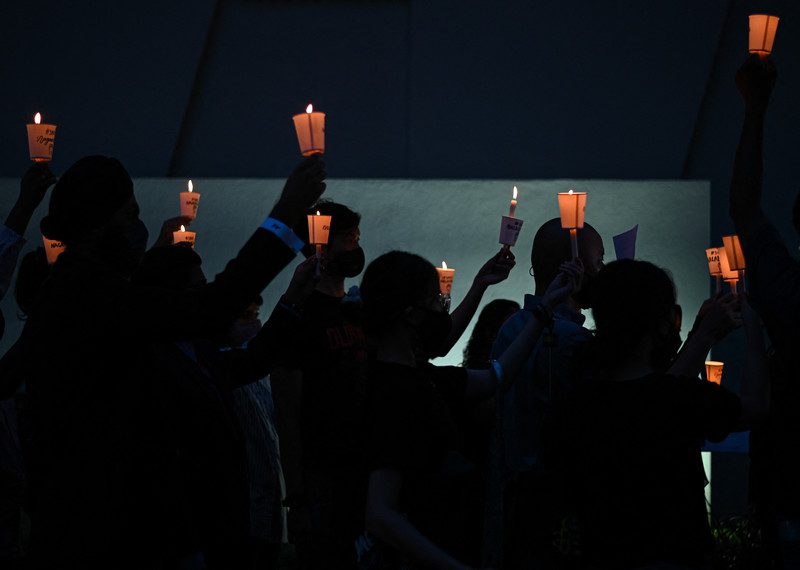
482	383
755	80
754	392
494	271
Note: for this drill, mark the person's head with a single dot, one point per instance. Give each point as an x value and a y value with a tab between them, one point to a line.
551	248
246	325
400	296
32	272
479	347
635	314
93	203
175	267
343	256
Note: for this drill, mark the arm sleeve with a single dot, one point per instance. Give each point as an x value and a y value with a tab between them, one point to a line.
277	338
10	247
210	311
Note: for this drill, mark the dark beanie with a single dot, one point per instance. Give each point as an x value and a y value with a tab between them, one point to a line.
85	197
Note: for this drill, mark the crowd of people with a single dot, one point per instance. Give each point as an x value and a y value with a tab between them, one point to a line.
150	420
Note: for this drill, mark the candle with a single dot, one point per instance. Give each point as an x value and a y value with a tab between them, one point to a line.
728	275
310	127
189	201
572	207
762	33
183	236
714	371
41	137
446	276
319	228
52	249
513	208
734	253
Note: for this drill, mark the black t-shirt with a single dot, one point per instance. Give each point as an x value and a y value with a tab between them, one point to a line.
412	431
626	455
334	382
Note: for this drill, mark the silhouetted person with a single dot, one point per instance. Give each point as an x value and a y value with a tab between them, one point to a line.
518	529
478	352
773	278
623	452
417	477
98	462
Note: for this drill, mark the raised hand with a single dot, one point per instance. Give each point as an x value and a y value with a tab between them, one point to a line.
32	189
304	186
496	269
171	225
755	80
564	285
303	282
718	317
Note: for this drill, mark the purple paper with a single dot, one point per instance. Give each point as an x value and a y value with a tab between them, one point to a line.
625	243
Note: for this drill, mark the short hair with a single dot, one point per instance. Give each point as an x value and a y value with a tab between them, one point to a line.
551	248
392	283
343	220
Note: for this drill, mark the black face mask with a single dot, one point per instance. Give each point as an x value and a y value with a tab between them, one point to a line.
433	332
585	295
346	263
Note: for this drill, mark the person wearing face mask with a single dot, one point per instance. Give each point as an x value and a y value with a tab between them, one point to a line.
416	473
623	451
318	391
517	527
99	455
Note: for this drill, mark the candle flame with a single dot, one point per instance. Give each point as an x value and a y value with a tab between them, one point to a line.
183	228
310	108
190	186
37	118
514	195
318	213
571	191
444	265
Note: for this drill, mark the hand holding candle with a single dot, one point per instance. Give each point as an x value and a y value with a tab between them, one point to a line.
310	127
572	207
184	236
189	202
41	138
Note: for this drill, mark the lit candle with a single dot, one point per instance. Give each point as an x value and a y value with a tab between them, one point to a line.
762	33
513	208
189	201
182	236
319	228
52	249
735	255
714	371
572	207
310	127
41	137
728	275
446	276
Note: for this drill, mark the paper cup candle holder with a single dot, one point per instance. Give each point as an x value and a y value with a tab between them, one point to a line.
510	225
762	34
735	257
572	207
184	236
319	229
310	127
52	249
714	268
714	371
446	276
41	138
730	276
189	202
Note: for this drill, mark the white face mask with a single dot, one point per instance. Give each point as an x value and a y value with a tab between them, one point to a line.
241	333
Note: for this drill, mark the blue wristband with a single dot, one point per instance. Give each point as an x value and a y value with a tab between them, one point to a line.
497	368
283	232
